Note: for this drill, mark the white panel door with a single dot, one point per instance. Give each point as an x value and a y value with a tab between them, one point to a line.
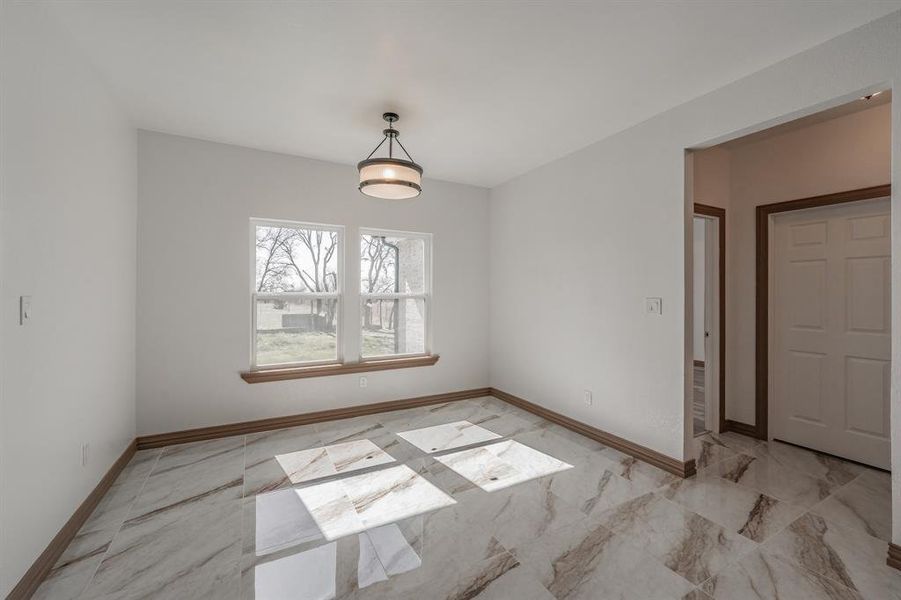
831	333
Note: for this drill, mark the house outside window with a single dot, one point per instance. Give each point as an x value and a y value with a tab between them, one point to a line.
395	293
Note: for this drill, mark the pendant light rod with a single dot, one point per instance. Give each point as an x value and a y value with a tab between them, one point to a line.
391	132
376	149
392	135
405	150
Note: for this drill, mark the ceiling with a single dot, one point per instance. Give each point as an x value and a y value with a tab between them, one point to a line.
485	90
836	112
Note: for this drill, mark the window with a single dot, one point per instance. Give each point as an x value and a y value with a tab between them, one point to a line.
298	303
296	294
395	289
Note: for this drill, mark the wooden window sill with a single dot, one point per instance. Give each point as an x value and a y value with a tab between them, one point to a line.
264	375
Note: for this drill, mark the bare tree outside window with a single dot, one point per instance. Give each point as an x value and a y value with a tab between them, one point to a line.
378	274
296	294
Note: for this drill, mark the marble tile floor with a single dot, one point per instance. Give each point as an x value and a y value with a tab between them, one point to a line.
478	499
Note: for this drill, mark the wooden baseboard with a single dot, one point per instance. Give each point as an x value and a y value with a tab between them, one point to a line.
894	556
44	563
742	428
667	463
671	465
219	431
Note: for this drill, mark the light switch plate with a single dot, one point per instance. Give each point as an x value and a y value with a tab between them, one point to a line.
24	309
654	306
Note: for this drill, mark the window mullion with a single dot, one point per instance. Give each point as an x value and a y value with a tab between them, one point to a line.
394	296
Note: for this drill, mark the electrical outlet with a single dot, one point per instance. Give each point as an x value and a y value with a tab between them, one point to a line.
587	394
653	306
84	454
24	309
363	382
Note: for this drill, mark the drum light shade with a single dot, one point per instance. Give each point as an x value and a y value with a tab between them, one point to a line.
390	178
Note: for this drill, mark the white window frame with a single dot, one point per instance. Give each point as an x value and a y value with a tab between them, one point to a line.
337	295
425	296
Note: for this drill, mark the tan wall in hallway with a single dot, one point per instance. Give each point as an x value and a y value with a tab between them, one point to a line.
712	177
849	152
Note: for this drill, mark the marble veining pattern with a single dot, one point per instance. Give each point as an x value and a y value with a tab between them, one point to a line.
502	464
765	577
752	514
447	436
850	558
76	566
863	505
478	499
316	463
684	541
773	479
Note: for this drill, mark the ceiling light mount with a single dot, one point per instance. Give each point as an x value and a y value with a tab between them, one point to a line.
389	177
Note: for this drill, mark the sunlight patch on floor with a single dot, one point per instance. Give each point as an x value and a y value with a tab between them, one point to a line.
496	466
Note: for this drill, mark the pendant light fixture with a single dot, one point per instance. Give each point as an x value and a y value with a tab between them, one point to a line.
390	178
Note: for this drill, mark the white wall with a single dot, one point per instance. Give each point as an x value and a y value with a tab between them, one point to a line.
67	238
699	255
610	225
195	202
849	152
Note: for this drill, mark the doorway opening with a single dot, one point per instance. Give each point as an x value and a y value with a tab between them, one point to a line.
806	299
709	329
